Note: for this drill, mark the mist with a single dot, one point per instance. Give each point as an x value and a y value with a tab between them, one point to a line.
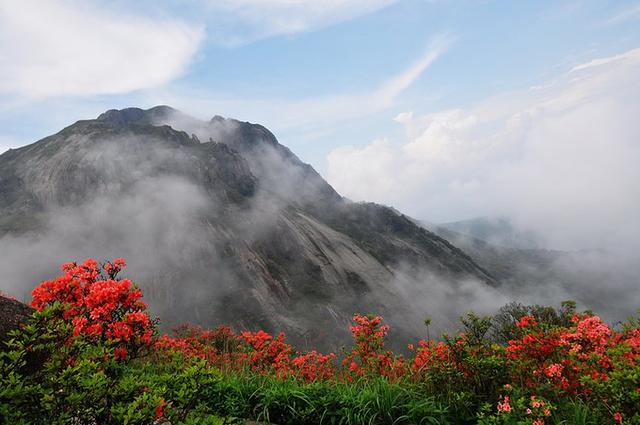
135	209
599	282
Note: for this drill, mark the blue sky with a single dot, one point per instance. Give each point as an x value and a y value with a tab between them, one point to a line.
347	84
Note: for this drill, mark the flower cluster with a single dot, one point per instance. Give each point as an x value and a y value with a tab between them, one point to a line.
98	305
504	404
368	356
313	366
254	351
533	410
268	353
430	354
559	358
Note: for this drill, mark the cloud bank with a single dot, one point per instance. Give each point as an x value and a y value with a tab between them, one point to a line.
71	48
561	159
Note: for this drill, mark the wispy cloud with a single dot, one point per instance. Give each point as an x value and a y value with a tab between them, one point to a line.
236	22
628	14
391	89
71	48
630	55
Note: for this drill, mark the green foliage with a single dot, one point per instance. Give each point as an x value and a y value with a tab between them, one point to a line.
475	371
291	401
504	322
49	377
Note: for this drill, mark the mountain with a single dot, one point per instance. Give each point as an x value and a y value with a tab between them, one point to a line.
219	223
504	262
498	231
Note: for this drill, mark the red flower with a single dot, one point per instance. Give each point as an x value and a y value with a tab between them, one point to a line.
120	353
527	321
160	409
504	405
553	370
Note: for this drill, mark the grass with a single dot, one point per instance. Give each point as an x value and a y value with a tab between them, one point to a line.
290	401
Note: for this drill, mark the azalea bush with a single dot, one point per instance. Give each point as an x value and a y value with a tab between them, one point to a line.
84	358
92	354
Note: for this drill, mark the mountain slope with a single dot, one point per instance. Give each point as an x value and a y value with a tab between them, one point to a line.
219	223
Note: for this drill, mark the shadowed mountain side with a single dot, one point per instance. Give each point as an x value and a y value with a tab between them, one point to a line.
504	263
13	314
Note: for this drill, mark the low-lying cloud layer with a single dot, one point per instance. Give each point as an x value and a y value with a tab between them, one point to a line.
559	159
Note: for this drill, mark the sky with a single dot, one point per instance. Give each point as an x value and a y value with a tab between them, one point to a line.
445	109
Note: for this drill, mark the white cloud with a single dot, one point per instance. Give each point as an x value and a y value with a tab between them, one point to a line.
387	93
70	47
561	159
630	55
241	21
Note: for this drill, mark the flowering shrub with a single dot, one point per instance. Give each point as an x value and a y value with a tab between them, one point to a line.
556	360
98	305
88	327
619	388
368	358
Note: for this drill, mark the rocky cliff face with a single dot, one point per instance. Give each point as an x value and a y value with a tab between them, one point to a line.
219	223
13	314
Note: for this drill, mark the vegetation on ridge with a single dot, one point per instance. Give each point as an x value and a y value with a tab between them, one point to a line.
91	354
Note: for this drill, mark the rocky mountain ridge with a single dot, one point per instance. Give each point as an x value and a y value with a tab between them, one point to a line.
220	223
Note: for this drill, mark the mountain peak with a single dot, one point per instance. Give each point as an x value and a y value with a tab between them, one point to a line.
126	116
218	119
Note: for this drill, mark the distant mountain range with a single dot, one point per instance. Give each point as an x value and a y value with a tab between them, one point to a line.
220	224
498	231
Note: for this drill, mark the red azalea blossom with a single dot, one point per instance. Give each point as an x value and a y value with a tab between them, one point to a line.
160	409
120	353
554	369
504	405
527	321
